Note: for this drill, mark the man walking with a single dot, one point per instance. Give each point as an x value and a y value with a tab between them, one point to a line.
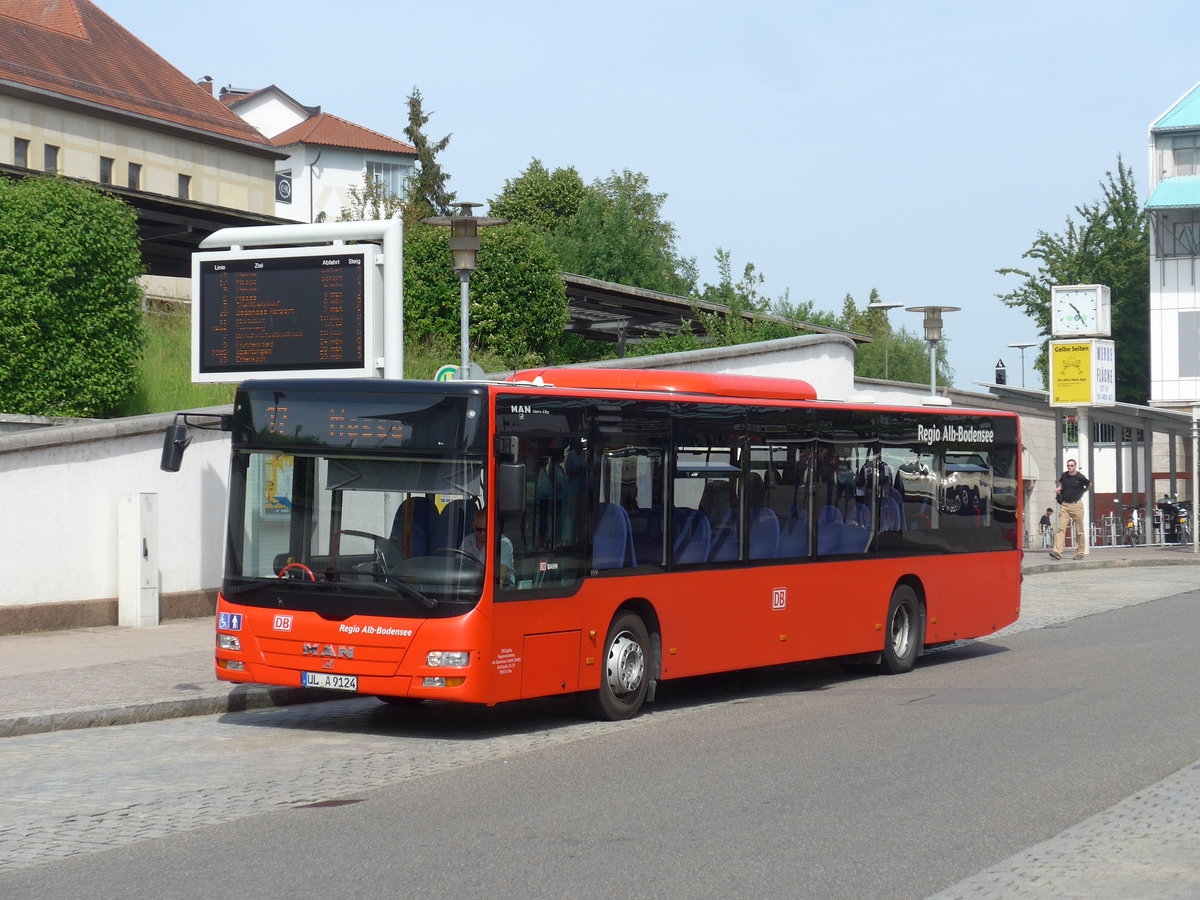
1072	485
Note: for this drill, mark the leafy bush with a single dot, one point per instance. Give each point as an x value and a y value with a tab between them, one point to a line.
518	301
70	319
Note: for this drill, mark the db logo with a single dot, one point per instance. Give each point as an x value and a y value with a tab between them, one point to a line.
779	598
282	623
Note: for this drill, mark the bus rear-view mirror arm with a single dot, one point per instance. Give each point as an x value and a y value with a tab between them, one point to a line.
176	439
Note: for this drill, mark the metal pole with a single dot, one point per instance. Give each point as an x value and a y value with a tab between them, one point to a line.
933	368
464	311
1195	479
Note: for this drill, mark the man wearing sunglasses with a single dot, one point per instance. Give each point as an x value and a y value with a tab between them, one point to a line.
1072	485
475	546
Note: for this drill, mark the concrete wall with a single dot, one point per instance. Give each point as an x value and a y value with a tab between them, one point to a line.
58	532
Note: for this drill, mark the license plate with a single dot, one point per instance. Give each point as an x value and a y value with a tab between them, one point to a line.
329	680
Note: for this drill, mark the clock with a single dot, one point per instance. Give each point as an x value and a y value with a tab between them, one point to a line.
1080	309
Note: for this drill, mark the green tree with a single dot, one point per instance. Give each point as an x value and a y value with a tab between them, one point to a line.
372	200
541	198
619	235
518	300
611	230
897	355
427	187
71	327
1110	244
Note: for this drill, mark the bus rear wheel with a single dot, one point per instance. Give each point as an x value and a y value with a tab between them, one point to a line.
625	678
904	632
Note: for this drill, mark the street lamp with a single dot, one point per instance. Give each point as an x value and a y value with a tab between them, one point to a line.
1023	347
933	334
887	330
464	249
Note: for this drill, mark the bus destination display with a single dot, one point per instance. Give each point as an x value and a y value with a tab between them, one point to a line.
277	314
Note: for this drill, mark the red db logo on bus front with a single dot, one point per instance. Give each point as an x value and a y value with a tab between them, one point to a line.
779	598
282	623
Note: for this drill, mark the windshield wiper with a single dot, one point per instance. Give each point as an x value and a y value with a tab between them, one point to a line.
402	586
248	585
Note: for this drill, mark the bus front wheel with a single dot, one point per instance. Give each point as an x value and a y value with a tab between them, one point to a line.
903	634
625	678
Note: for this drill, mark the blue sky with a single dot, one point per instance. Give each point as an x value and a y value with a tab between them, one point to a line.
913	148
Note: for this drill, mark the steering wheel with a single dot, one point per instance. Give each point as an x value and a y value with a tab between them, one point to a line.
380	562
299	567
451	551
366	534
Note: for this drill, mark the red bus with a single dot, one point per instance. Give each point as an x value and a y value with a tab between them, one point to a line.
599	532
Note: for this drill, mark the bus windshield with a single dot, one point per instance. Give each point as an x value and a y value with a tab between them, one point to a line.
363	506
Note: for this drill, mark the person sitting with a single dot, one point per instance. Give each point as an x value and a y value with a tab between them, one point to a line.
474	545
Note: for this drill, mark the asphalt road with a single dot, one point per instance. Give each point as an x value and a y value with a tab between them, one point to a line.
803	781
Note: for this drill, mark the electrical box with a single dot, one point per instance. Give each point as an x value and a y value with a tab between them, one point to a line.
137	560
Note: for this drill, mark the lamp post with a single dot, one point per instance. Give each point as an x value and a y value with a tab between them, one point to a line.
1023	347
933	334
887	333
464	251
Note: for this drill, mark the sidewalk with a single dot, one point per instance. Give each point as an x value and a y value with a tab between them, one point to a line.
90	677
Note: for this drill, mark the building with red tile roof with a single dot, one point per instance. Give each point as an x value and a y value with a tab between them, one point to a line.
83	97
327	155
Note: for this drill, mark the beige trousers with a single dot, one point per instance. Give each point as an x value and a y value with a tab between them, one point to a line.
1071	512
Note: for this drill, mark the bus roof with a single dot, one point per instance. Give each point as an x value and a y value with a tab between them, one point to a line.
668	381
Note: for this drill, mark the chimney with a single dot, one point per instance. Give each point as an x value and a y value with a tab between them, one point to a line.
207	83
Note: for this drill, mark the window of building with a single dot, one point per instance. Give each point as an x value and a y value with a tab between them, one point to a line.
106	170
390	175
50	158
1185	154
21	153
1186	238
135	176
185	187
1189	344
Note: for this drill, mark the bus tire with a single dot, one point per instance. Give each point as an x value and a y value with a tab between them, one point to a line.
904	632
625	677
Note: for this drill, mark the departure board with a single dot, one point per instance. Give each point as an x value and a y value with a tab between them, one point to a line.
291	312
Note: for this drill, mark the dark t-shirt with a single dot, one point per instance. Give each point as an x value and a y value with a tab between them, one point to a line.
1073	486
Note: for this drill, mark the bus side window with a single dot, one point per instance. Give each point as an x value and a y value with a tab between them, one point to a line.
546	534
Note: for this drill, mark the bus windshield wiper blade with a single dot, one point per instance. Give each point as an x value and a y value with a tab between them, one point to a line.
401	586
248	585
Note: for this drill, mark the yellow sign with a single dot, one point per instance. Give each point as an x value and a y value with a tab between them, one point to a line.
1082	373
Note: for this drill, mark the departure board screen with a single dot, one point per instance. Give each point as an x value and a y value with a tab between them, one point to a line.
300	311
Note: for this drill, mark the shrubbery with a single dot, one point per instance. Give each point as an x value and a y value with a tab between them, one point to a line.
71	327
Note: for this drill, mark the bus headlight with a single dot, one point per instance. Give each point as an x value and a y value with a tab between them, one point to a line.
228	642
441	658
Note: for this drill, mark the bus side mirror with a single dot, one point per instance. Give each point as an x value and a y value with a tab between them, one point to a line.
174	443
510	487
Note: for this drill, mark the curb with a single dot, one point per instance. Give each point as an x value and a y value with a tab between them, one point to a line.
238	700
1067	563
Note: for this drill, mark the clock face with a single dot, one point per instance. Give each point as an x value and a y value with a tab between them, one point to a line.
1075	312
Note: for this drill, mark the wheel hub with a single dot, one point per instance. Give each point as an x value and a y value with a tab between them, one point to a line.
626	664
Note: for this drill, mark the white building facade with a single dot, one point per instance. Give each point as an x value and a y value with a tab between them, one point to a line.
326	155
1174	209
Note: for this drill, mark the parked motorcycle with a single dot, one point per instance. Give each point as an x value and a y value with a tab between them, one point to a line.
1176	519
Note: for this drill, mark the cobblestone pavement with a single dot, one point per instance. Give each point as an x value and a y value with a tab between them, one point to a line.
60	799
